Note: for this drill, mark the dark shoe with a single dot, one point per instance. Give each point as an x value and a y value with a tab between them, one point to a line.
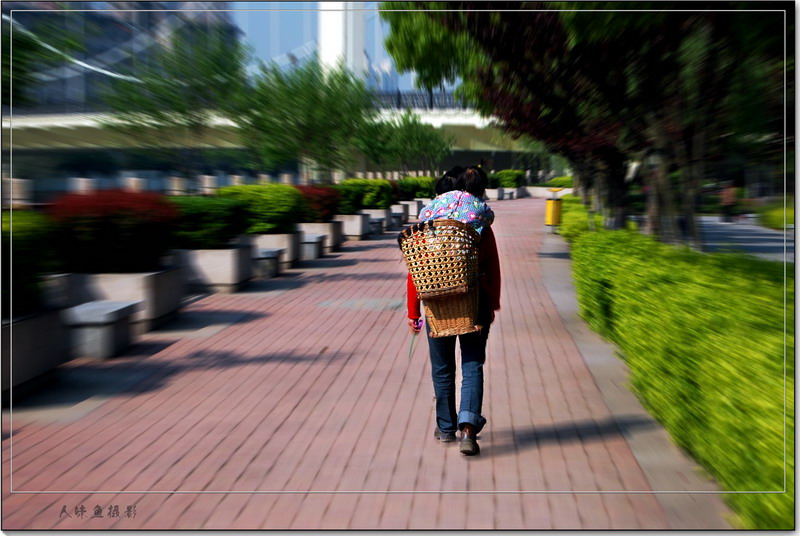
468	446
444	437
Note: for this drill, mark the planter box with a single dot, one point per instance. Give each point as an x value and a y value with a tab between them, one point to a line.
400	210
288	242
333	231
160	292
544	192
377	214
413	208
495	194
217	270
32	346
354	226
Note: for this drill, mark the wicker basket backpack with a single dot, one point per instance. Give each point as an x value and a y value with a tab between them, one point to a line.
442	258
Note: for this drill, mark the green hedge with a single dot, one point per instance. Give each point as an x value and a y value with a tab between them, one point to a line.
271	208
365	193
560	182
412	187
208	222
772	215
26	255
510	178
703	336
575	218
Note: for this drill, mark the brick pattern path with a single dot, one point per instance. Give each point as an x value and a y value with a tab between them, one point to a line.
309	398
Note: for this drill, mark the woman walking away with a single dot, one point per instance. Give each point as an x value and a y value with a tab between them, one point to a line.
469	419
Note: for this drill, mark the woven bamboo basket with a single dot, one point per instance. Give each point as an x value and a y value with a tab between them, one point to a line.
452	315
441	256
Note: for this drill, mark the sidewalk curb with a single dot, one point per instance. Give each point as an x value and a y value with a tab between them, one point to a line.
671	473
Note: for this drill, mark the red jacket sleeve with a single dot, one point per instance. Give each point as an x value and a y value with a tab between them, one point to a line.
414	312
489	263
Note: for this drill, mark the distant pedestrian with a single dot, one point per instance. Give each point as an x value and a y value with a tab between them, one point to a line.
728	202
469	419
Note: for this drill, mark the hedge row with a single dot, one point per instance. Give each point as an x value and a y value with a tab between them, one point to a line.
358	194
575	219
773	214
27	239
412	187
706	341
507	178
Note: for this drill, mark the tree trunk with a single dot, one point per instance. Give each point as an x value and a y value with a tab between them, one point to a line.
662	189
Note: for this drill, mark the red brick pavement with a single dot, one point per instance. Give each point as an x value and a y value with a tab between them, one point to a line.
307	413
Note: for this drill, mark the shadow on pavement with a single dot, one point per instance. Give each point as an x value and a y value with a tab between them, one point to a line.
195	320
369	245
509	441
554	255
286	281
80	382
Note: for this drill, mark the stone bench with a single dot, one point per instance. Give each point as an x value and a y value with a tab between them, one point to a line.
266	262
100	329
311	247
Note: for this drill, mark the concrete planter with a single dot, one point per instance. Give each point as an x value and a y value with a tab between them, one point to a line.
160	293
413	208
377	214
495	194
401	210
333	231
354	226
544	192
218	270
38	344
289	242
521	192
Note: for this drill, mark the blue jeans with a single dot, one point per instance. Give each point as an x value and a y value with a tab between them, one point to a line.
443	371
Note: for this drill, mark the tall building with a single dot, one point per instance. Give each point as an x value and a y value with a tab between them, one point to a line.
114	38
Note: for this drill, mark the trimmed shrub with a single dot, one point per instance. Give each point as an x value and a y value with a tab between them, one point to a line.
112	230
511	178
26	255
412	187
772	215
365	193
560	182
494	181
271	208
322	202
208	222
703	335
575	218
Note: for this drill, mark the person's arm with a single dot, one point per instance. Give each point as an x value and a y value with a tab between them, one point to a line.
412	303
489	262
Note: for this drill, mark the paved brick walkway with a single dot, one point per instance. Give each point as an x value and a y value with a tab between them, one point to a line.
294	404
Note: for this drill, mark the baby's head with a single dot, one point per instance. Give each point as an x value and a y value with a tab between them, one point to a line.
473	180
447	182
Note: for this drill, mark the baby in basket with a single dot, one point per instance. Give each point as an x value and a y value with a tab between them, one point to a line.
459	195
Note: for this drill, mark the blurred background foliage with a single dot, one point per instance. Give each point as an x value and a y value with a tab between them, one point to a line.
680	91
